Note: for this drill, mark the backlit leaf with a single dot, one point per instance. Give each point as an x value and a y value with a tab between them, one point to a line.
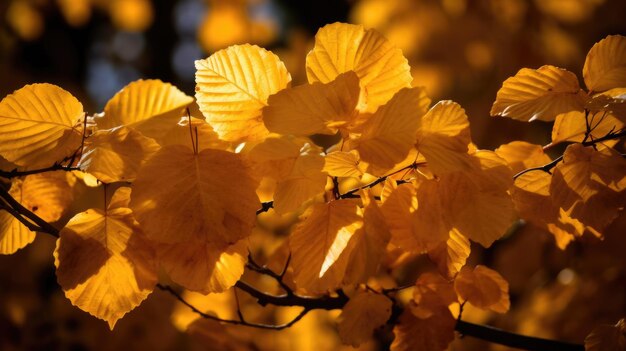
13	234
607	338
341	47
521	155
206	268
434	333
313	108
386	137
105	265
149	106
451	255
432	293
572	126
343	164
539	94
363	313
232	87
605	65
48	195
40	124
181	197
116	155
443	137
483	288
319	240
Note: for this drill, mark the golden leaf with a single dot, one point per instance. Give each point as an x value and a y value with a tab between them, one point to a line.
48	195
451	255
180	134
116	154
105	265
386	137
203	267
40	124
572	127
443	137
521	155
13	234
319	240
434	333
364	312
180	196
343	164
149	106
432	293
313	108
232	87
539	94
483	288
341	47
605	65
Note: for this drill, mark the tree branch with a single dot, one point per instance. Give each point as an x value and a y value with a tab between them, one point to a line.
56	167
22	212
352	193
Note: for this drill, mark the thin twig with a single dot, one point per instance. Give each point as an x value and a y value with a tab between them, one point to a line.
56	167
352	193
44	226
265	206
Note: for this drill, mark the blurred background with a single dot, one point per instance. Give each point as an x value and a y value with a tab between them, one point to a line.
458	49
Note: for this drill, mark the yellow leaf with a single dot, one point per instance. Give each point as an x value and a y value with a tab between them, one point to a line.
205	267
180	134
607	338
319	240
443	137
313	108
451	255
13	234
182	197
521	155
432	293
572	127
104	263
341	47
343	164
305	181
434	333
605	65
483	288
364	312
367	245
115	155
40	124
539	94
149	106
232	87
387	136
589	185
612	102
48	195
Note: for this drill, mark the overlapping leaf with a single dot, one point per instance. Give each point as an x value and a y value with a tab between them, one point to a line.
364	312
149	106
521	155
483	288
180	196
341	47
232	87
434	333
40	124
13	234
572	126
117	154
343	164
104	263
539	94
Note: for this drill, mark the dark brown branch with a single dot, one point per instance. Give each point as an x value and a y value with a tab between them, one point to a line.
352	193
499	336
56	167
546	168
23	212
252	265
265	206
241	321
324	302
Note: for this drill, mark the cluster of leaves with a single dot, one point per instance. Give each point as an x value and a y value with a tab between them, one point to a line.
402	179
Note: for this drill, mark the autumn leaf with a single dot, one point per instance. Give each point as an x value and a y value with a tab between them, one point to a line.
483	288
318	242
40	124
105	265
149	106
431	294
386	137
434	333
443	136
315	108
343	164
13	234
180	196
451	255
180	134
232	87
116	154
48	195
364	312
203	267
521	155
341	47
540	94
605	65
572	127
